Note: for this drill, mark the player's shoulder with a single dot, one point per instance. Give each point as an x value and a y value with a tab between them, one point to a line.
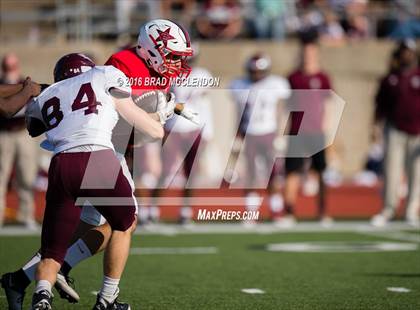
123	54
323	75
53	89
296	74
127	59
276	81
107	70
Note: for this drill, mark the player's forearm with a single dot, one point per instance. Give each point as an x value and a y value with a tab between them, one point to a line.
138	118
7	90
155	116
11	105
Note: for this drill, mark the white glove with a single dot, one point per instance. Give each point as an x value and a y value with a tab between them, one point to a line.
165	108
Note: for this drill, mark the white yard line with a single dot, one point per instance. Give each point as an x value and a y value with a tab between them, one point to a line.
398	289
174	251
252	291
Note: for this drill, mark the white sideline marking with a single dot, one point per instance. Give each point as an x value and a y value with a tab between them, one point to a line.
394	235
239	228
252	291
94	292
176	251
340	247
398	289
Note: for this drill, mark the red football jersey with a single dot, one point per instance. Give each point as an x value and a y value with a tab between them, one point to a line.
141	79
139	75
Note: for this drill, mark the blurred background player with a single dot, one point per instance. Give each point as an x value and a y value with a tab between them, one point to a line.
185	141
307	76
258	96
397	111
17	150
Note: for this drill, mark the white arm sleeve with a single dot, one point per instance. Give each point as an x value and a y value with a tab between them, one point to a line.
116	79
33	110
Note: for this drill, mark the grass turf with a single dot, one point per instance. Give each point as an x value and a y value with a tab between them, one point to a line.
214	281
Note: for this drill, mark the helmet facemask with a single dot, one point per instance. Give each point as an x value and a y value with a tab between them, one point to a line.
174	64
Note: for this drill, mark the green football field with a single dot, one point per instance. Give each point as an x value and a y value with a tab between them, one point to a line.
305	269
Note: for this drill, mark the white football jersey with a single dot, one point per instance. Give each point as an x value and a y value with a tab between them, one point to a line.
196	100
80	111
262	98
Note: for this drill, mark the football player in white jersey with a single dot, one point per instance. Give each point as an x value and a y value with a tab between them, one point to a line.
258	97
78	114
93	233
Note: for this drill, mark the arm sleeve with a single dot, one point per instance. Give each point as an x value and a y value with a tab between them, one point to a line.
283	90
34	121
117	81
33	110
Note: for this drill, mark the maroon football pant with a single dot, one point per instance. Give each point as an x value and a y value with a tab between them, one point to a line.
97	175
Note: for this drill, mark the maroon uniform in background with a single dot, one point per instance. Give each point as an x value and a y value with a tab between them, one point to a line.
313	103
398	105
398	101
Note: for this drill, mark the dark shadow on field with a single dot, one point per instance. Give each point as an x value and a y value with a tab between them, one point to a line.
392	275
257	247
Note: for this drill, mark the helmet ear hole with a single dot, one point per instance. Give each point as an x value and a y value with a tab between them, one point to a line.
151	53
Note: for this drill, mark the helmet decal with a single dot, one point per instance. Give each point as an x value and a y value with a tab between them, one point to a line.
164	36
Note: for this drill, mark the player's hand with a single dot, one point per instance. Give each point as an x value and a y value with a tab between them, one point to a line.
32	88
166	107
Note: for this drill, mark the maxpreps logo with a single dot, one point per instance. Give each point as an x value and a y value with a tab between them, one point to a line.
223	215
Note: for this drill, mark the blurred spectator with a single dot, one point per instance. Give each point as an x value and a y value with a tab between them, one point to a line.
185	141
398	108
181	11
332	33
308	76
220	19
401	20
356	21
258	96
140	10
16	146
308	20
270	18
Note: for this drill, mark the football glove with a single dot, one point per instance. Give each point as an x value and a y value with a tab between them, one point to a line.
166	107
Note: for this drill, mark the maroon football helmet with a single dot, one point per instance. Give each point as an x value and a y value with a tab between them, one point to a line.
71	65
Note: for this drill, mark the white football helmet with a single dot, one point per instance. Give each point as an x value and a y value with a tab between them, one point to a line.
165	47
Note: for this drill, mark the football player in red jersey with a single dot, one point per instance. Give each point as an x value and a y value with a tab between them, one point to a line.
161	54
